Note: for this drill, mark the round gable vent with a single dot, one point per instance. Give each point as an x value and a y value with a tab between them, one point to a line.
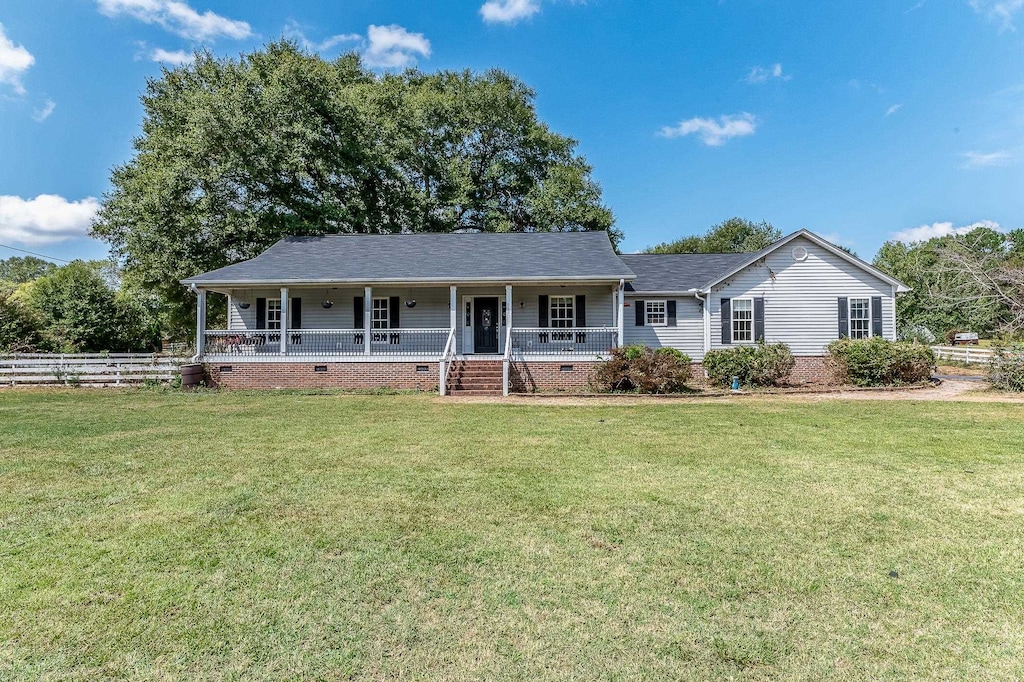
799	253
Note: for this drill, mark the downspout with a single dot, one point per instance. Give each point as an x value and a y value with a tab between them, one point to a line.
706	342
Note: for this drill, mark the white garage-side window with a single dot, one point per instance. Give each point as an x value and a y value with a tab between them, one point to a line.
742	320
860	318
657	313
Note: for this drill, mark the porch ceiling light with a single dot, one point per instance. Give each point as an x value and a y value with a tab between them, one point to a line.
244	305
327	303
411	303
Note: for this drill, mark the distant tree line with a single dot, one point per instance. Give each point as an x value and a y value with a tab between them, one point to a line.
970	282
83	306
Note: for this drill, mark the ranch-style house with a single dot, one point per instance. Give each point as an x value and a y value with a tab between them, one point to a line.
500	312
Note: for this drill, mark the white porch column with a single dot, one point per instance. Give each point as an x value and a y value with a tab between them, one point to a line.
505	369
453	310
622	311
367	319
285	311
200	323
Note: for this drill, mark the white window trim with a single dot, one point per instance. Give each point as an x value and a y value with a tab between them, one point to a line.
561	335
849	316
647	312
278	311
732	320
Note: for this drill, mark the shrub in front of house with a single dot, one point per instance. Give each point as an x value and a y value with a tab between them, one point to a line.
766	364
879	362
1006	369
644	370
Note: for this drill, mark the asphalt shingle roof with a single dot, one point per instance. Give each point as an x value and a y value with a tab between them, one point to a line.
679	272
429	257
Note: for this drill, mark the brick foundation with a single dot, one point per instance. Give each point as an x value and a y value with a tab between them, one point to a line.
525	377
548	377
808	370
398	375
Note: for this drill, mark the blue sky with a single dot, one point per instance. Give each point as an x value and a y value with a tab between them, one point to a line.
860	121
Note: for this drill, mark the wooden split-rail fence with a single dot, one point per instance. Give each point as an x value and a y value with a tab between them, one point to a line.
94	369
969	354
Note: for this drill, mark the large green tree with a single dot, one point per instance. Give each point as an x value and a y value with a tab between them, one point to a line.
237	153
967	282
736	235
21	269
79	308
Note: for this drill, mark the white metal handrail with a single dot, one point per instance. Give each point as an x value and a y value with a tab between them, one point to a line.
444	367
506	361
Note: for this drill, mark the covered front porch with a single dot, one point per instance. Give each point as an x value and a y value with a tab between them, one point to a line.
388	322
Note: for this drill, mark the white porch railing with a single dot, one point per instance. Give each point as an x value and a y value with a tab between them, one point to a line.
326	342
445	366
563	340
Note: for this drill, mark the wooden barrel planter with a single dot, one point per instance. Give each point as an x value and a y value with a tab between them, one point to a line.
192	376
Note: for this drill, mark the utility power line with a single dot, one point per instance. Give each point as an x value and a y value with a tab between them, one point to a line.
33	253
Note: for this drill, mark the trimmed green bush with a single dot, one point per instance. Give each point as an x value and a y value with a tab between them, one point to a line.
644	370
766	364
879	362
1006	369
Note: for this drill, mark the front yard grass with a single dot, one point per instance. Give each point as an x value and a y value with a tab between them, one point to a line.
152	535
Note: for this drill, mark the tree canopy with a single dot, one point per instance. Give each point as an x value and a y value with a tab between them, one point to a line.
969	282
236	153
736	235
21	269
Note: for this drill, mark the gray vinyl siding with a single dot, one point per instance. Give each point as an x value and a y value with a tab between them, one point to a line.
687	336
801	302
431	310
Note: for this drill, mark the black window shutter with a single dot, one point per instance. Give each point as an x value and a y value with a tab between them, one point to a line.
640	313
844	318
394	303
876	315
261	313
296	306
670	311
759	319
581	310
357	312
726	321
542	310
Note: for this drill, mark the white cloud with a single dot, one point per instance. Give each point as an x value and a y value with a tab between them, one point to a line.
1002	11
172	57
293	30
40	115
393	47
761	74
45	219
178	18
926	232
980	160
892	110
508	11
14	61
714	133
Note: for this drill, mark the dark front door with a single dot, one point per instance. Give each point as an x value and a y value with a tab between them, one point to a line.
485	325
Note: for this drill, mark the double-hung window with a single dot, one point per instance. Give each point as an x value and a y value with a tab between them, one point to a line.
562	315
273	313
742	320
860	318
381	319
656	313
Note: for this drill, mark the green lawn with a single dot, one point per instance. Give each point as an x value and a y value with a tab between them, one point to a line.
153	535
